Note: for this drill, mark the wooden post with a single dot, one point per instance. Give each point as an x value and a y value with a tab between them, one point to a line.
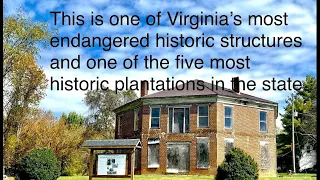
91	164
127	164
132	163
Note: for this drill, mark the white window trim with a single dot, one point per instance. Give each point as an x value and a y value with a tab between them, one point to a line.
263	143
229	104
150	116
179	143
228	140
154	142
168	119
136	118
224	115
266	122
203	116
184	118
255	104
203	139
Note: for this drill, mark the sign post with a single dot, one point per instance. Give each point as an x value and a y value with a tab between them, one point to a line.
132	163
112	165
91	164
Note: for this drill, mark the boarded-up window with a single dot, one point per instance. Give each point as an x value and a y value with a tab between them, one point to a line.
228	144
203	159
137	158
153	153
264	155
178	157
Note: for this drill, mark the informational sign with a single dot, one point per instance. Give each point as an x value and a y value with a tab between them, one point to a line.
111	164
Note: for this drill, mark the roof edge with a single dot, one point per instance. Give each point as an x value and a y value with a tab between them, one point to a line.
256	101
123	107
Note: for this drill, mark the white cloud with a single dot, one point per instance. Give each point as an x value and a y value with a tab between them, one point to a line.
266	63
46	6
99	2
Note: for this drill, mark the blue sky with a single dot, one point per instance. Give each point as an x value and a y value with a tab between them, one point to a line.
266	63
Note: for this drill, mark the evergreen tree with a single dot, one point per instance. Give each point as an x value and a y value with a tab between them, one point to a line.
304	123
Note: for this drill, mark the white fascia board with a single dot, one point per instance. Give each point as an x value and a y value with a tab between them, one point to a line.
254	104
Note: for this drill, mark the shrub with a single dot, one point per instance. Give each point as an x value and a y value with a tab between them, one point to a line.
238	165
39	164
77	164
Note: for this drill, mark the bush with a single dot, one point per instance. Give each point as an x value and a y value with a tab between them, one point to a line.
39	164
77	164
238	165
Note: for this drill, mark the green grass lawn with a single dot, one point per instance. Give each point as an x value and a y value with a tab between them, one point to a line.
145	177
297	176
183	177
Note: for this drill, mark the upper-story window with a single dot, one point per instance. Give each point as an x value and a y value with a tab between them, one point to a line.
136	120
119	125
155	117
203	116
263	121
228	117
178	120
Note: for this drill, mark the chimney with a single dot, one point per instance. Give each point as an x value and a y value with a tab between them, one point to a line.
235	84
144	88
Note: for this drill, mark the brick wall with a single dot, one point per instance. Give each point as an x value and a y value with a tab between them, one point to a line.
245	132
127	130
127	124
191	137
247	135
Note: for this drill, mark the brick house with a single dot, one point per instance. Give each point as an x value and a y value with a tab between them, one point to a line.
189	131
